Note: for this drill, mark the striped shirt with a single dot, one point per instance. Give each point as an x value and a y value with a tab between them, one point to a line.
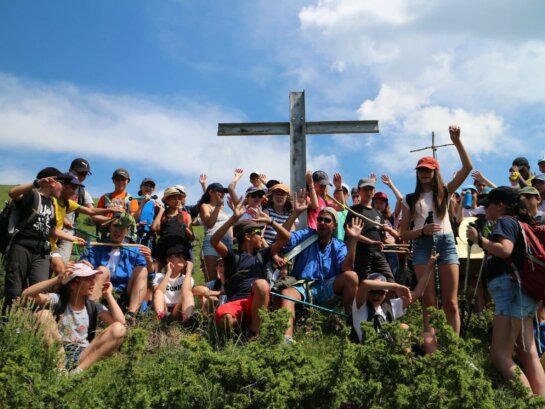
280	218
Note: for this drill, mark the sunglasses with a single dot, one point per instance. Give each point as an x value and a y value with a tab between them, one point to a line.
325	220
256	231
255	194
377	292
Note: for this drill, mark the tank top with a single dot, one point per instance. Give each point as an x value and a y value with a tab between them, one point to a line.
422	207
222	218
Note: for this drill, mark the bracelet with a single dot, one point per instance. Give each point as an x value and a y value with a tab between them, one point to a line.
339	190
36	183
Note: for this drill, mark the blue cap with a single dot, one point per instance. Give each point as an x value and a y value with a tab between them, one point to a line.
470	187
216	187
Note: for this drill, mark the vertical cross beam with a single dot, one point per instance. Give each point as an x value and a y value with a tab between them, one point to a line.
298	146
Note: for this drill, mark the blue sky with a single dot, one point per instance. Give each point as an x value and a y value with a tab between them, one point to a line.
142	85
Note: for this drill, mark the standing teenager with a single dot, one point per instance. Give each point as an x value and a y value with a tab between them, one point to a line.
428	226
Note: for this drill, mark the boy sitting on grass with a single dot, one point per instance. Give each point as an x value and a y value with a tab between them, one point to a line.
172	295
370	303
72	318
246	286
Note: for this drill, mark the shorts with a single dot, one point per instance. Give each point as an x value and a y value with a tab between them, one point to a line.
241	310
209	250
446	247
321	293
72	353
510	299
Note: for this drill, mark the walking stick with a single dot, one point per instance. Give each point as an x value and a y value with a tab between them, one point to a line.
466	280
429	220
323	309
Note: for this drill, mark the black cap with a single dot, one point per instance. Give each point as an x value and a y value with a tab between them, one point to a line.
521	161
253	189
216	187
245	226
271	183
80	165
502	194
321	177
70	178
179	249
51	172
121	172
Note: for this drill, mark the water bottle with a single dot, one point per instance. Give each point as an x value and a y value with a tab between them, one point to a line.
468	200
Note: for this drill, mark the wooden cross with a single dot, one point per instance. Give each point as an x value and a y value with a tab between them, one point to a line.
433	146
297	128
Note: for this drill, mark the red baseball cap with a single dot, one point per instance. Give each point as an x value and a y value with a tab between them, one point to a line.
380	195
427	162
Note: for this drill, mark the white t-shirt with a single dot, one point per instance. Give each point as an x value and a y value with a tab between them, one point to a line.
173	292
361	314
74	325
422	207
113	261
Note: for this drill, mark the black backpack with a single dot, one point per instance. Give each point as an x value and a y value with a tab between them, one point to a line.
12	220
92	311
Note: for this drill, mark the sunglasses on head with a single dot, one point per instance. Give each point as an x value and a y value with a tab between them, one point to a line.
377	292
325	220
256	194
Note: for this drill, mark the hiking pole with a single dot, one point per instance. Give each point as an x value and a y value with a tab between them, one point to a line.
466	280
323	309
429	220
474	297
345	207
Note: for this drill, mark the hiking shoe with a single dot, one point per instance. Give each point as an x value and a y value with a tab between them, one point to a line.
130	319
76	371
289	340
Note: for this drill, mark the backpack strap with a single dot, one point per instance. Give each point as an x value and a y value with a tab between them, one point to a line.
92	311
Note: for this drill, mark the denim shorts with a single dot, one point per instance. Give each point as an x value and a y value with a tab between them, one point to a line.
446	247
72	353
321	292
510	299
209	250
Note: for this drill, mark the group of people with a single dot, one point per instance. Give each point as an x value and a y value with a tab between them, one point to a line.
260	254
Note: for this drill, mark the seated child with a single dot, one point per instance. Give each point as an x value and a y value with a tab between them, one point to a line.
211	294
172	295
370	303
72	319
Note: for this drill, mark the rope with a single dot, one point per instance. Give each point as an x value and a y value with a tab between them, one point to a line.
342	314
345	207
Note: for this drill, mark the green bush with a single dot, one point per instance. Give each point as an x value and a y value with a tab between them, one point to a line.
163	367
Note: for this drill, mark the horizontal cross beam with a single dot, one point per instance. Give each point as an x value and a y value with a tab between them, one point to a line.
283	128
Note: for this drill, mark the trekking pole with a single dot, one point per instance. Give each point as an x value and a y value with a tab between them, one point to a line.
466	280
106	244
323	309
473	298
345	207
429	220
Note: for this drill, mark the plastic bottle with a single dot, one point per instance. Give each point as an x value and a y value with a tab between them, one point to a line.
468	200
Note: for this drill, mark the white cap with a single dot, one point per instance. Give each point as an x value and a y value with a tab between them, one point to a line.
80	270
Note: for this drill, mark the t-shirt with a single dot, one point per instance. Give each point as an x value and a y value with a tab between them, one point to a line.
312	217
241	274
508	228
74	325
87	202
316	262
280	218
361	314
42	223
173	291
62	208
370	230
339	231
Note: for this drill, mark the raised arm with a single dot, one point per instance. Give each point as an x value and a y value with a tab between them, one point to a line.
232	186
479	177
462	174
215	240
300	204
338	194
354	232
311	191
390	183
282	234
202	181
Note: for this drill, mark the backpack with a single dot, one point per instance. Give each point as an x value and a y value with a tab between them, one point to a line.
92	311
81	200
531	275
10	221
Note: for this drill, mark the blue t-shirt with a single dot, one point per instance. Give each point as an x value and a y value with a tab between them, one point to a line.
127	262
316	262
506	227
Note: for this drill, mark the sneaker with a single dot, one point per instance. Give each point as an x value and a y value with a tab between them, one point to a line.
77	370
289	340
130	319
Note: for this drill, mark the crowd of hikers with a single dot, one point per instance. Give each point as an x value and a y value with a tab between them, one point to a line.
358	252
